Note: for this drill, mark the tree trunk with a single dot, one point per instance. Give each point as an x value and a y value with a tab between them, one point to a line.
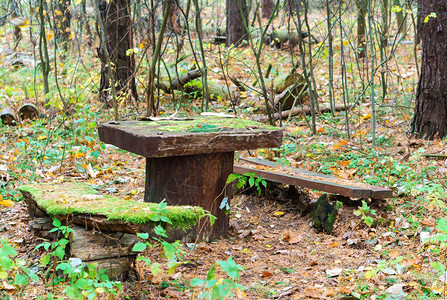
236	31
267	8
174	17
64	23
115	16
361	27
430	113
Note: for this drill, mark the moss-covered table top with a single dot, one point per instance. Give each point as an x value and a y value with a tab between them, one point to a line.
189	136
71	199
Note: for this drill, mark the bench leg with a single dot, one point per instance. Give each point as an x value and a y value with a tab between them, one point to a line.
192	180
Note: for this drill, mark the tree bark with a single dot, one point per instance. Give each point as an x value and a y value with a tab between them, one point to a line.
174	25
430	113
236	31
361	27
115	16
267	8
64	23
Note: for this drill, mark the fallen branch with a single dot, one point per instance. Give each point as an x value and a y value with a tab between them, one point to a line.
300	110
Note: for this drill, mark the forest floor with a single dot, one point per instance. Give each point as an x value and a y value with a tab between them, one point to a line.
270	234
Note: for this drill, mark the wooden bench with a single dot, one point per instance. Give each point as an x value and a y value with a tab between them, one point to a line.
104	227
188	160
298	177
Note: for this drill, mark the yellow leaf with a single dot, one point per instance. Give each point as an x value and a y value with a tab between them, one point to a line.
245	250
345	42
396	8
134	192
344	163
7	203
1	197
278	213
366	117
50	36
369	274
79	154
41	137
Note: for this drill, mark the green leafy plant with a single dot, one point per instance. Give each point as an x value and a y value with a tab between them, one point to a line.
366	212
250	179
172	251
220	288
14	271
56	248
86	280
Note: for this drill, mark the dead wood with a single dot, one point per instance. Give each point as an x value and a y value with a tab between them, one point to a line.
300	110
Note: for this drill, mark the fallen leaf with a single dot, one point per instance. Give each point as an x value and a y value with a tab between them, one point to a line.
393	254
266	274
8	287
278	213
7	203
334	272
295	238
92	173
428	223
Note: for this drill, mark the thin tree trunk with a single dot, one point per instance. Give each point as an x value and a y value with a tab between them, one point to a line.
43	49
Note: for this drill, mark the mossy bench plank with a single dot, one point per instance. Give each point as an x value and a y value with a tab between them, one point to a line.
83	205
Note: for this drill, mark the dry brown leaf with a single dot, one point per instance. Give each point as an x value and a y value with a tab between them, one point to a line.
266	274
295	238
393	254
426	222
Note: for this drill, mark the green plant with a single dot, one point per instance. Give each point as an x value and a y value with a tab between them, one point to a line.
171	251
57	247
251	179
14	271
365	211
220	288
86	280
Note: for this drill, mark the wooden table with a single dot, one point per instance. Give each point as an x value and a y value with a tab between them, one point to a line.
188	160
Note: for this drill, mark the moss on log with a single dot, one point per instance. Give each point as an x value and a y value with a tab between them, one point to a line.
60	200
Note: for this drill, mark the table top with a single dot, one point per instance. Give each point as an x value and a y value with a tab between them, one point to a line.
189	136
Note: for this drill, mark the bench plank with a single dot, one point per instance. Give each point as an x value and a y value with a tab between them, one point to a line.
312	180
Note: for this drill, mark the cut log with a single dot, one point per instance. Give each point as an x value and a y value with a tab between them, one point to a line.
301	110
283	36
216	90
293	95
280	83
8	117
93	245
28	111
180	81
111	251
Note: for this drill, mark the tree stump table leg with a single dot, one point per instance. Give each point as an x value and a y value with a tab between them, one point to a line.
192	180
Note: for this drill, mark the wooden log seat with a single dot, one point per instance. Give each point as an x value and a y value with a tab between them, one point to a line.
104	227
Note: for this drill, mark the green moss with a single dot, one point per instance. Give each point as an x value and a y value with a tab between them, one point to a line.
81	198
208	122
